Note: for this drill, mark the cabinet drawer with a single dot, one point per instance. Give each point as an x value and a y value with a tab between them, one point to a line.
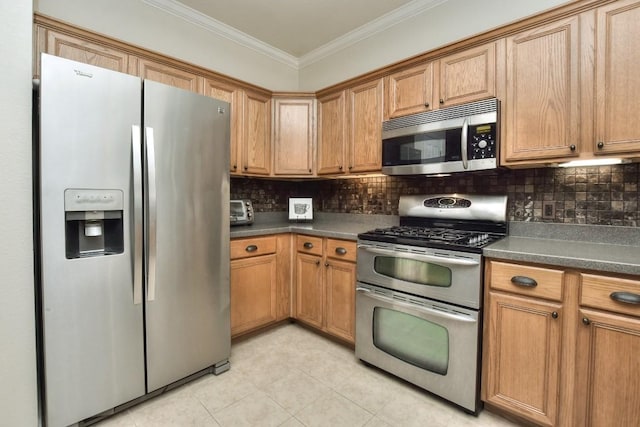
255	246
527	280
309	244
610	293
341	249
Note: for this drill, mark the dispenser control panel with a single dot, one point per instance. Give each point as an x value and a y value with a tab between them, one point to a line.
93	200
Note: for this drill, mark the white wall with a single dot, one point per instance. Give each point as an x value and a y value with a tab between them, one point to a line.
446	23
145	26
18	397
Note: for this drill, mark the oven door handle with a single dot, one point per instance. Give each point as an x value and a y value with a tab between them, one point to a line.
422	257
430	311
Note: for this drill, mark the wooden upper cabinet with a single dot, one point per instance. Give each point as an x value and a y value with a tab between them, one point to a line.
77	49
410	91
364	113
617	83
332	134
540	110
232	95
467	76
166	74
255	140
294	136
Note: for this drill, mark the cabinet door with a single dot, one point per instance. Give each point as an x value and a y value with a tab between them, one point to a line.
332	134
365	127
163	73
410	91
540	109
609	368
468	76
253	292
340	284
617	82
522	356
293	136
309	289
76	49
232	95
256	134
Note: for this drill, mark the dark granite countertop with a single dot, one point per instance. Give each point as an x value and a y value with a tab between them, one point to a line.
337	226
602	248
587	247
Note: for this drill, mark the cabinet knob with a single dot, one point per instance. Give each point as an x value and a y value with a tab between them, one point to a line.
350	167
309	170
340	167
586	321
572	147
426	104
235	167
317	262
441	101
246	167
251	248
341	251
308	245
554	314
326	264
600	145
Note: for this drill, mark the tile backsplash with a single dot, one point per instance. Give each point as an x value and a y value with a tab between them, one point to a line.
604	195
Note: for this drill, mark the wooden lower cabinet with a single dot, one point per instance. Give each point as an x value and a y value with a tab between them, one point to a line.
325	285
564	358
259	285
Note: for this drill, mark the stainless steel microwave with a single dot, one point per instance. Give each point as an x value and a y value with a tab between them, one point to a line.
455	139
241	211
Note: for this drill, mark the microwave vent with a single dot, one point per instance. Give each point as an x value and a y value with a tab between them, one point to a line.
464	110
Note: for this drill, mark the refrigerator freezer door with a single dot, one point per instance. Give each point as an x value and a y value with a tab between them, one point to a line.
92	329
187	311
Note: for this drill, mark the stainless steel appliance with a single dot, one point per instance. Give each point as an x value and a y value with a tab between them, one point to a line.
419	292
132	220
455	139
241	212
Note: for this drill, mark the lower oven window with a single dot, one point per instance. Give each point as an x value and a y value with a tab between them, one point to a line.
414	271
412	339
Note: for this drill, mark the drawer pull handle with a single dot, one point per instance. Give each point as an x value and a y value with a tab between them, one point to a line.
625	297
524	281
341	251
308	245
251	248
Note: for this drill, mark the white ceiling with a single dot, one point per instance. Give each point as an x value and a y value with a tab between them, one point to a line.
295	31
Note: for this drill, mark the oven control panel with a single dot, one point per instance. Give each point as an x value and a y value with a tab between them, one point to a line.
482	142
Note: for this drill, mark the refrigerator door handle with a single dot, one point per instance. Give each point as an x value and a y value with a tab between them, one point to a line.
152	212
136	150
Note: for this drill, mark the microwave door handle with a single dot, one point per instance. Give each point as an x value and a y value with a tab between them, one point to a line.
463	143
422	257
426	310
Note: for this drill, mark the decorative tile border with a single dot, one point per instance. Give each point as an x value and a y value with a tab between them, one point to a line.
604	195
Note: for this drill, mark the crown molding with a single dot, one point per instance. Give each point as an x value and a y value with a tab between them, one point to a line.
221	29
369	29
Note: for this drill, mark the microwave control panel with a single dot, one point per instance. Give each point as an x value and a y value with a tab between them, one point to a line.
482	141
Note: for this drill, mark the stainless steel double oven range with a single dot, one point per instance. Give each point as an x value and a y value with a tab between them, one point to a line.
419	292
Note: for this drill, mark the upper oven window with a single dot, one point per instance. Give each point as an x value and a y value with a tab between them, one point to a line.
412	339
414	271
423	148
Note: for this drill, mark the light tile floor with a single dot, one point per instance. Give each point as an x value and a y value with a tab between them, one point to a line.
290	376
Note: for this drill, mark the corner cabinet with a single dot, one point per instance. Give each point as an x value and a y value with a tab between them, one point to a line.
325	285
294	136
540	109
617	99
561	346
364	118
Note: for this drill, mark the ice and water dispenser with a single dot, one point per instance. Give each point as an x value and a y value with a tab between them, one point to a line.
93	222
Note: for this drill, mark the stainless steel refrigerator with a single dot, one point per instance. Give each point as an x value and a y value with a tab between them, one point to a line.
132	217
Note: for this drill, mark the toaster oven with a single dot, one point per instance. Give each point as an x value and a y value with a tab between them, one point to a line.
241	211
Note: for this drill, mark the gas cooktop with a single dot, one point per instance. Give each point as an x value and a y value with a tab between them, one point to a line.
455	222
